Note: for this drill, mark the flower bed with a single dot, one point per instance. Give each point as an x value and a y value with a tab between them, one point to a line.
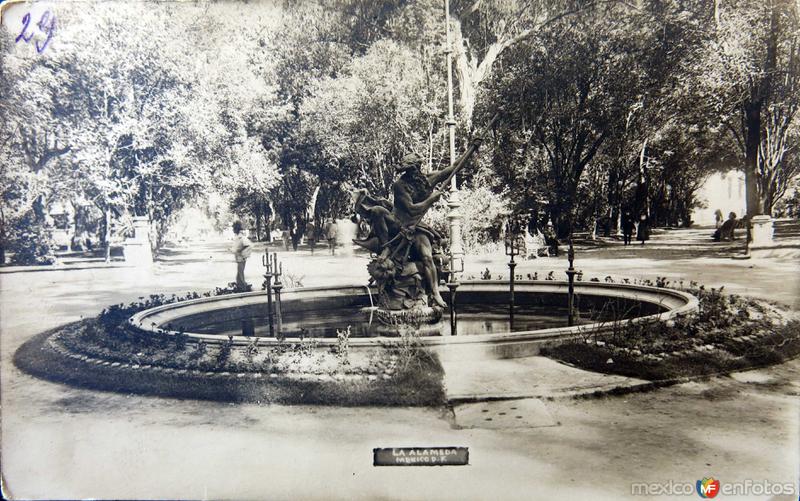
728	333
106	350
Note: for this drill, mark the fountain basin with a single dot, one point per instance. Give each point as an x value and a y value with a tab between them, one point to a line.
482	305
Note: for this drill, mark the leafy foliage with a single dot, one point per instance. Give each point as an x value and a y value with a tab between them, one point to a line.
31	241
281	110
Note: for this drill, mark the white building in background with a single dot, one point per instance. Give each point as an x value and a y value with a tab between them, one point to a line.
724	191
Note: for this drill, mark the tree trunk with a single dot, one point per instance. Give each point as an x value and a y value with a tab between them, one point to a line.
258	221
768	203
561	221
642	189
74	242
759	95
40	209
752	121
156	231
614	202
107	234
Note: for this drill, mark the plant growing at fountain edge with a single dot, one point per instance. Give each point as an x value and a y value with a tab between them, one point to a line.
224	353
411	354
343	346
293	281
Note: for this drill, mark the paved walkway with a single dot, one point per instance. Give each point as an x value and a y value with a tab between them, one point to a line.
529	377
65	442
471	375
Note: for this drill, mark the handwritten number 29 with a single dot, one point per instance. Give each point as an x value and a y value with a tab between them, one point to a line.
44	27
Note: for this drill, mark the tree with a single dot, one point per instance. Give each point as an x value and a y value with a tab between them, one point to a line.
681	158
562	94
31	143
752	74
234	135
379	108
251	180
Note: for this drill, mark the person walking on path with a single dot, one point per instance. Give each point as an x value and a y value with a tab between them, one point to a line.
241	249
331	229
287	238
627	227
643	231
311	236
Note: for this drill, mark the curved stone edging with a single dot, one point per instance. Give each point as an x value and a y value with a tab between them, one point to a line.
126	377
54	343
678	303
44	356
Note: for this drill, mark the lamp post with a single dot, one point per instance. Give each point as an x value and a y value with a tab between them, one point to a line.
268	274
620	185
512	245
571	272
454	267
453	202
277	272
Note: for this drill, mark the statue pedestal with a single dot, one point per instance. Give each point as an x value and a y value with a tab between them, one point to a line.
762	231
425	320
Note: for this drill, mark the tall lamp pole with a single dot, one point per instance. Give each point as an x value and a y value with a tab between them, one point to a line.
451	121
453	202
571	272
513	247
456	264
277	272
266	260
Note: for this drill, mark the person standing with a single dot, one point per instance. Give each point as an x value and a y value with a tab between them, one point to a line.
643	231
718	218
241	249
550	239
311	236
287	237
627	227
331	230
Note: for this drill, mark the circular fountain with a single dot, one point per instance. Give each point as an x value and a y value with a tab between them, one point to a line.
319	312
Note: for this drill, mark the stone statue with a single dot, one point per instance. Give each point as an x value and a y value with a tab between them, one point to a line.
407	253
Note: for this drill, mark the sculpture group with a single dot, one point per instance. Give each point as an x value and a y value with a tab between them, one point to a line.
408	256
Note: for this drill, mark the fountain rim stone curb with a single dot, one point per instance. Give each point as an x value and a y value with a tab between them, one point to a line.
54	342
684	303
42	357
47	338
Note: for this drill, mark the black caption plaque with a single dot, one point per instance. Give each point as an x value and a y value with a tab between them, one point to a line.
420	456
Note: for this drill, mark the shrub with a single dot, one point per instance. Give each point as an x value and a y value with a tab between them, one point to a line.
224	353
410	352
32	242
343	346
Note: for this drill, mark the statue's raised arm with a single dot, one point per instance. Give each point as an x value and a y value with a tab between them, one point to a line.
444	175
